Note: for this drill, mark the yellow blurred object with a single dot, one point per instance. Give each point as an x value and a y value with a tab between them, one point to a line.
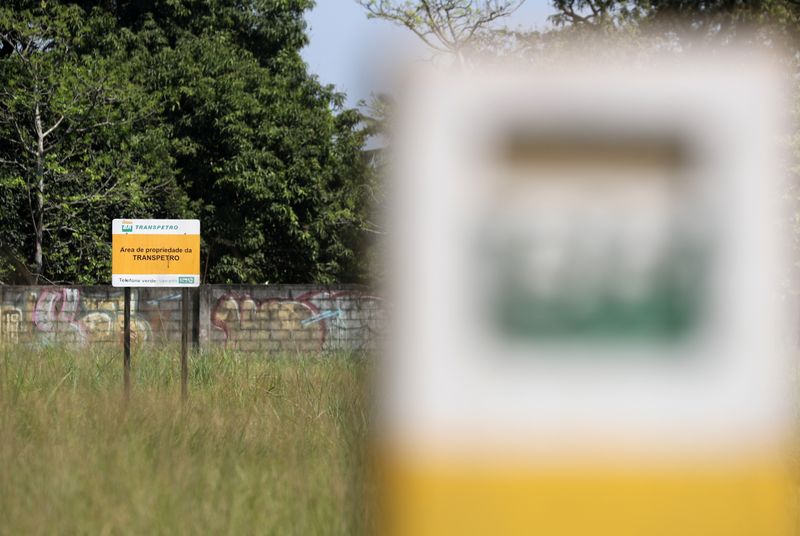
441	497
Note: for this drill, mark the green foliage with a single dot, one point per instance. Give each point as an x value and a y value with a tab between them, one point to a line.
76	137
176	108
703	19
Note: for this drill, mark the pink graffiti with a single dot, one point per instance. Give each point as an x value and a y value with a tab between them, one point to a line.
63	314
56	310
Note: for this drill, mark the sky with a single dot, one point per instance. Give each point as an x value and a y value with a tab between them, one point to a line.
347	49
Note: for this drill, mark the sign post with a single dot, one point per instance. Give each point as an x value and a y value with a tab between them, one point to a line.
156	253
184	342
126	344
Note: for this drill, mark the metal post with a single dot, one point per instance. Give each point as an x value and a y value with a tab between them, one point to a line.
184	342
195	320
126	343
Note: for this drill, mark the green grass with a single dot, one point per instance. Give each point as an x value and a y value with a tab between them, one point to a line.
264	445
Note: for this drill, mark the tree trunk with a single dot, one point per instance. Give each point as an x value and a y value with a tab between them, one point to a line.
38	209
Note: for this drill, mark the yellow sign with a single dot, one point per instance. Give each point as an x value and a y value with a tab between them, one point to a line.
155	253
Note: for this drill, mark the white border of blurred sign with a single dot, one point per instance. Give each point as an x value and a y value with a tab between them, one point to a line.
452	380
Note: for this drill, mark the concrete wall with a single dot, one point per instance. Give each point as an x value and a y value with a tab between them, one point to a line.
241	317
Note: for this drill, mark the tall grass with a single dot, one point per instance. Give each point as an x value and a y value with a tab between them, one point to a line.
265	445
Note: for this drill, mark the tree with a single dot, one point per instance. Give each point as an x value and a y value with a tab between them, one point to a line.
702	19
70	148
449	26
269	157
174	108
594	12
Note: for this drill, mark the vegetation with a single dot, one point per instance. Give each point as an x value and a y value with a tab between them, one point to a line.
263	445
450	26
205	109
174	108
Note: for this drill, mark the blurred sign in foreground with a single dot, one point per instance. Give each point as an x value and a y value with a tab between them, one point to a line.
589	333
155	253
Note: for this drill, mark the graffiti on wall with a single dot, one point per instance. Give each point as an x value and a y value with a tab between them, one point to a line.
253	319
10	324
64	315
313	320
60	312
349	319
